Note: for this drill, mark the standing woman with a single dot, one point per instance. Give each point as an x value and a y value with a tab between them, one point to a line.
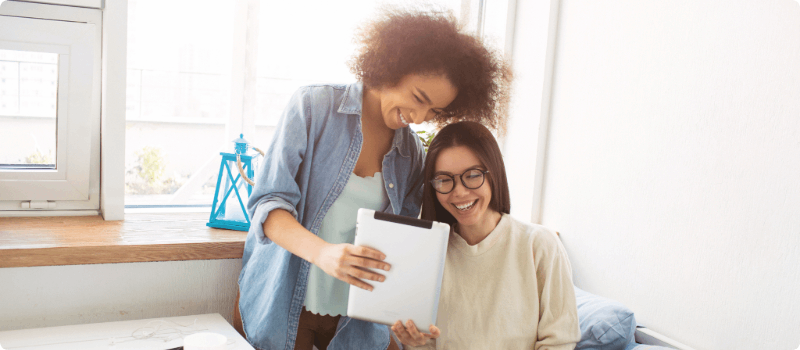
507	284
338	148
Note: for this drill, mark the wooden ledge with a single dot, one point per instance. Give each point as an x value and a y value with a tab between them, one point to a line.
49	241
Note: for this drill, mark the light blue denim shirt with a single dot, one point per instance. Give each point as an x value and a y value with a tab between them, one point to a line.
313	152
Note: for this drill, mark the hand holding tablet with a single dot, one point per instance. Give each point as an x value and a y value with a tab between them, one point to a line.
349	263
410	335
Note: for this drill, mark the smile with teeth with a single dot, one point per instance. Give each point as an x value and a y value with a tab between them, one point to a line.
401	118
465	207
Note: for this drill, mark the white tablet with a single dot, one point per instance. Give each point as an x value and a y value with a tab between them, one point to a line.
416	249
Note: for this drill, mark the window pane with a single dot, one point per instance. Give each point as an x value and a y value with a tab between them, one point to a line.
28	103
179	64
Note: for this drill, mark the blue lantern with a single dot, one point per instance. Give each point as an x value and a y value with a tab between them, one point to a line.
228	209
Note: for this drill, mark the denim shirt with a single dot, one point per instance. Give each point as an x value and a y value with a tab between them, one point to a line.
313	152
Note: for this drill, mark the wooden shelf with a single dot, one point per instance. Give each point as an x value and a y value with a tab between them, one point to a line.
49	241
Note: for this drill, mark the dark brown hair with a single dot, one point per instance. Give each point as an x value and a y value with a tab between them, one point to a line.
402	42
481	142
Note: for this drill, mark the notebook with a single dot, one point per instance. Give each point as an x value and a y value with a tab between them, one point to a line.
416	250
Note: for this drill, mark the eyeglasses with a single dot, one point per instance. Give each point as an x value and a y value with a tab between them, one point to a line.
472	179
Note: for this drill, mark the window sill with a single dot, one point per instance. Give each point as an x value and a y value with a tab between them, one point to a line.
51	241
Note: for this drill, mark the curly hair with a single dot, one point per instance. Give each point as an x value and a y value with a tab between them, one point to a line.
402	42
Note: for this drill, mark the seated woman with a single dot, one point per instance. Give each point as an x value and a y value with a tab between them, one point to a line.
507	284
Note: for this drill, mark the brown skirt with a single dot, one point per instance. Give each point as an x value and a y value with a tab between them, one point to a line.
318	330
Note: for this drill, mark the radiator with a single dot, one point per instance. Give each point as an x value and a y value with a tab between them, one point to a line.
648	336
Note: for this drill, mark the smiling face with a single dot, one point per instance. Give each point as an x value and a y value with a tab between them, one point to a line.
470	207
415	99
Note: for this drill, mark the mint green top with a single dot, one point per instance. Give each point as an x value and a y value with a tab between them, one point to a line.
325	294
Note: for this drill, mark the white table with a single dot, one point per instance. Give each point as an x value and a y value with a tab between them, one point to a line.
118	335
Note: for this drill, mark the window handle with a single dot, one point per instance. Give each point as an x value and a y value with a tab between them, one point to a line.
38	205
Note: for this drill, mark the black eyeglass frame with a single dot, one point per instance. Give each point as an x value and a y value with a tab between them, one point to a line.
460	176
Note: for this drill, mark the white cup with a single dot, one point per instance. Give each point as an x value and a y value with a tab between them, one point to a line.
205	341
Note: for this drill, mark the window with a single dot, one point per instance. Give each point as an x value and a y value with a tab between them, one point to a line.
49	107
178	100
198	74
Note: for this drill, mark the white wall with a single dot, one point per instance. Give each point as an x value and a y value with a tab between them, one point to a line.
529	55
32	297
673	164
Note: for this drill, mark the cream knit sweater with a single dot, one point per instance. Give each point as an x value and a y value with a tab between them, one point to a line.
513	290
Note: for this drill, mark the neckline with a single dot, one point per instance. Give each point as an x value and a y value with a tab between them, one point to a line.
377	174
486	244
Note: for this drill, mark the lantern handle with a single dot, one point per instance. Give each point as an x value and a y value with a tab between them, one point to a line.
241	171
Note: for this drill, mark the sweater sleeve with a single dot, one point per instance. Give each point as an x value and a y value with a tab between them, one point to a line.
430	345
558	315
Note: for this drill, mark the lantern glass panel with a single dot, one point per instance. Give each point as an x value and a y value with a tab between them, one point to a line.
231	208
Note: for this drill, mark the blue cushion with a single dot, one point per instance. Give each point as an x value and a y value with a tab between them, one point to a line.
605	324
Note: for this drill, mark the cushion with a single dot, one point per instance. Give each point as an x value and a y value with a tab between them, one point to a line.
605	324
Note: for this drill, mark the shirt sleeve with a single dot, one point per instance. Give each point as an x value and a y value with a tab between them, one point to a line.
275	185
558	313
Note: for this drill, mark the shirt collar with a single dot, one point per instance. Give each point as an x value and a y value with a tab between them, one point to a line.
400	135
351	104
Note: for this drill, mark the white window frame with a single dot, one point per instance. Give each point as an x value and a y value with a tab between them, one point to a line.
105	114
73	44
97	4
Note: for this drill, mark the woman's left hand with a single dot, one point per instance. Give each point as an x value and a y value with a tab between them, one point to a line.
409	335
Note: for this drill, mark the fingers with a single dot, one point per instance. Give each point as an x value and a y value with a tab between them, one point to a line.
409	335
366	252
401	333
365	262
404	336
357	264
365	274
412	329
357	282
367	257
435	333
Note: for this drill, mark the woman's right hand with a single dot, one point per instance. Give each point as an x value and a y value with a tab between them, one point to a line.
348	263
409	335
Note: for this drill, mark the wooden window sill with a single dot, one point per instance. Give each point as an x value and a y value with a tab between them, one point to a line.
50	241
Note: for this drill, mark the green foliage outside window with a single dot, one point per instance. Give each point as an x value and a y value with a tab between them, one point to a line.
39	158
146	175
151	166
426	138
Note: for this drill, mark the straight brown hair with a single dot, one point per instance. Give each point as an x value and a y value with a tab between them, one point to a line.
480	141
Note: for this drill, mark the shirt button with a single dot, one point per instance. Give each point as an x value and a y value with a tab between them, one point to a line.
391	185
